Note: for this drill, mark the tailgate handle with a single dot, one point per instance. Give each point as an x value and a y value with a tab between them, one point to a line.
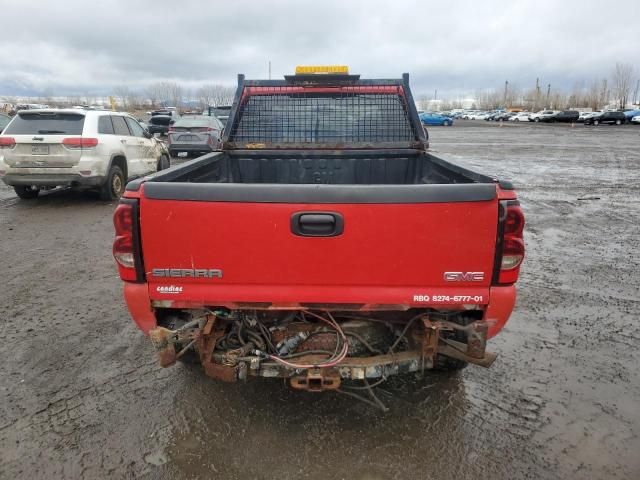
317	224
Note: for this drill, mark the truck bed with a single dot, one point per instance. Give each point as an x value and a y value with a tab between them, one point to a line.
319	167
319	177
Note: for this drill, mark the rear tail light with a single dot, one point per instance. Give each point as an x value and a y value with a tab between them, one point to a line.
511	247
7	142
514	221
512	253
202	129
125	245
80	142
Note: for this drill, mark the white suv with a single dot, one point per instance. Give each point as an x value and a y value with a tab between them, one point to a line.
91	149
542	115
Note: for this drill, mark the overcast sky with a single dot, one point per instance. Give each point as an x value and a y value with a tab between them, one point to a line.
66	46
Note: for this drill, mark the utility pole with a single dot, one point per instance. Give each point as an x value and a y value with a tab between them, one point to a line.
506	87
548	93
435	95
635	92
269	69
537	100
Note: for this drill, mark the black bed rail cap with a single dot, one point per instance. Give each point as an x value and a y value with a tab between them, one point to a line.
320	193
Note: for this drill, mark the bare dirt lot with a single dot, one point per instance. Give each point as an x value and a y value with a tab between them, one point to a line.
81	395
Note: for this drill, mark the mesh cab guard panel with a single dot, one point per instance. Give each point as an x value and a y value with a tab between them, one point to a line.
364	114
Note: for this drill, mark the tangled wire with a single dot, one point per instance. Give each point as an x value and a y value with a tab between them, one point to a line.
249	334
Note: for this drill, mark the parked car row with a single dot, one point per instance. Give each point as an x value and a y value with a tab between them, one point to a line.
546	116
552	116
500	116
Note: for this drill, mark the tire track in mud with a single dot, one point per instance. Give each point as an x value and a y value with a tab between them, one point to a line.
9	202
72	418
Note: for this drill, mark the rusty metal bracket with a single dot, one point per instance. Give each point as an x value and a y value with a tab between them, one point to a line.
230	358
454	349
162	340
317	380
429	342
477	339
206	343
475	350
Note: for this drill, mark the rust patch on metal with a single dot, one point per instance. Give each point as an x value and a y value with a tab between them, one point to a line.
221	372
477	339
456	350
429	345
165	349
206	343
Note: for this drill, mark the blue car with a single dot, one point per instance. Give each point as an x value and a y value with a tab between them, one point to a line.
631	113
435	119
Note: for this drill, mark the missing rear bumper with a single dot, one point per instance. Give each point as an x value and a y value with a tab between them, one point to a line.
426	341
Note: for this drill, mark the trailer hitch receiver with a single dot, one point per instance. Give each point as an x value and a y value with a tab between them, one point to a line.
316	380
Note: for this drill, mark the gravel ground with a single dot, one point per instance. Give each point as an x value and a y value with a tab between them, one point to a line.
81	395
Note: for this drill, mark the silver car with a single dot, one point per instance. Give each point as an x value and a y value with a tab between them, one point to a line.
195	135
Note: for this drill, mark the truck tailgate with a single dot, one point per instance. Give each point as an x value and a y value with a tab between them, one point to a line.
387	254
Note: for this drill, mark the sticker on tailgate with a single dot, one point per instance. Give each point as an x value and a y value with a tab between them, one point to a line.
449	298
168	289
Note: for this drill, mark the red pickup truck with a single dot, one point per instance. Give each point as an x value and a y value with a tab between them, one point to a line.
322	244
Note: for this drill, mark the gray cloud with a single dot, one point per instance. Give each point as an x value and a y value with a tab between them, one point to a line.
71	46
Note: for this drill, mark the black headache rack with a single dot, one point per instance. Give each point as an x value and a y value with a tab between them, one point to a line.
324	112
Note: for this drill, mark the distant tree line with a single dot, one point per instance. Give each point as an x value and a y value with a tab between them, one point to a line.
621	90
156	95
173	94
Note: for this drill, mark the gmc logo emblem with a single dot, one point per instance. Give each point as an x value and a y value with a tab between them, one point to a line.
463	276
